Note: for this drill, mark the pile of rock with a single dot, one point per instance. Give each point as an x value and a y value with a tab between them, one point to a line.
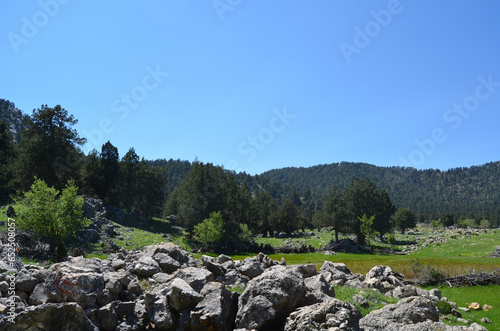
496	252
164	288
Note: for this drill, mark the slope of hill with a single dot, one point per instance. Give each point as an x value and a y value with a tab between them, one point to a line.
468	192
14	117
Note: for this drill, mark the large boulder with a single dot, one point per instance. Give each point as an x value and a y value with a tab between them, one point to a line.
49	317
331	314
181	296
408	311
146	266
269	298
195	277
217	310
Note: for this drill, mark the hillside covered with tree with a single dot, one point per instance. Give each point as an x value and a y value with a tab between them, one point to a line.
464	192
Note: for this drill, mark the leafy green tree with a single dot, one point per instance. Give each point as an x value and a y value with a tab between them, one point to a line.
210	231
7	156
51	214
49	149
404	219
362	197
367	227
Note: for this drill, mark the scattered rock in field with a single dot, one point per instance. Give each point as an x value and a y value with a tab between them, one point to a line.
475	306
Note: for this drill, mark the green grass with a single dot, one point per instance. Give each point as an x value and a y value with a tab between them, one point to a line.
463	296
376	300
455	257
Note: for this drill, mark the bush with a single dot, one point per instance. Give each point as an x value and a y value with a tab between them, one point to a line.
51	214
426	275
443	307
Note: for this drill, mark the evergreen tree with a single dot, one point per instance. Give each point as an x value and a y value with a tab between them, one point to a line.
49	149
404	219
7	156
287	218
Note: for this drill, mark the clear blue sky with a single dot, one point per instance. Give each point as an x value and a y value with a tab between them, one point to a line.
257	85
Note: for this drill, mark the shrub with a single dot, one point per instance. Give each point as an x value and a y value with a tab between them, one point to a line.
443	307
52	214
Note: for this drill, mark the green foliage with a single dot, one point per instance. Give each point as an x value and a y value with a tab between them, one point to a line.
245	234
362	197
367	228
49	149
426	275
443	307
7	155
51	214
403	219
376	300
210	232
287	218
391	239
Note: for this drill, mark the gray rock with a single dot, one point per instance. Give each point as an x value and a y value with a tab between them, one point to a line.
195	277
306	270
50	316
269	298
38	296
217	310
332	314
158	311
319	289
361	300
25	281
407	311
146	267
167	263
251	268
181	296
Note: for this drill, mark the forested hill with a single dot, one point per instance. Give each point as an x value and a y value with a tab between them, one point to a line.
14	117
469	192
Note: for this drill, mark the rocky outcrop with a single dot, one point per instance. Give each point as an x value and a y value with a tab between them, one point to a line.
331	314
412	313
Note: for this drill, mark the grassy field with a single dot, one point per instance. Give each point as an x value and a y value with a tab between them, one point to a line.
455	257
463	296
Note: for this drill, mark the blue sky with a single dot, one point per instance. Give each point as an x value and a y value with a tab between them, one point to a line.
258	85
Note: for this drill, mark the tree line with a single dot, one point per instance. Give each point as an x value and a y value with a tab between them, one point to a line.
217	207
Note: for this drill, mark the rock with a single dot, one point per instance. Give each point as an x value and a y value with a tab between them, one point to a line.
319	289
38	296
361	300
217	310
251	268
195	277
216	268
146	267
181	296
50	316
167	263
475	306
82	288
25	281
306	270
410	310
158	311
332	314
403	292
485	320
487	307
269	298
